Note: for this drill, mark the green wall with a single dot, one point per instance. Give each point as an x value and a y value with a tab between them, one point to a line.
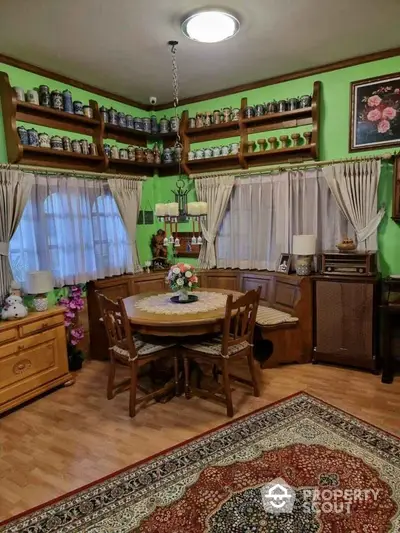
334	134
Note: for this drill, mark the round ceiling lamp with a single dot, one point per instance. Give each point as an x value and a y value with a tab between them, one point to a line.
211	26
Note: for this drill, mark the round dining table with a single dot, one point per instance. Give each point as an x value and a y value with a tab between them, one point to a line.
179	322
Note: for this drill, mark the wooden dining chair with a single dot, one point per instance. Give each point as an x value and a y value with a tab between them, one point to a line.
236	341
132	351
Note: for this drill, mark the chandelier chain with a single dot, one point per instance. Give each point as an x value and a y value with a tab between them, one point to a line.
175	91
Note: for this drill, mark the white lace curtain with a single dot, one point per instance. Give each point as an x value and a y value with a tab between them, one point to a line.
71	226
355	188
265	211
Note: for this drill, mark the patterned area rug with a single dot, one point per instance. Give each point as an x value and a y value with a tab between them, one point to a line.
298	466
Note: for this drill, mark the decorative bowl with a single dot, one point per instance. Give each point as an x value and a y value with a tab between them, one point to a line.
346	246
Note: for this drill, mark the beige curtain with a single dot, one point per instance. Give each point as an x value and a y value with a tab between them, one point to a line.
216	191
15	188
355	188
128	194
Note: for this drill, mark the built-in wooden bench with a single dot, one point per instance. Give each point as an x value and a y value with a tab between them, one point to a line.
291	294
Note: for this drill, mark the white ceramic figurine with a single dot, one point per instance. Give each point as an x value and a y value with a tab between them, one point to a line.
13	308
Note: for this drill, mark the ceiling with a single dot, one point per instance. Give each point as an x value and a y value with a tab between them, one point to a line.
121	45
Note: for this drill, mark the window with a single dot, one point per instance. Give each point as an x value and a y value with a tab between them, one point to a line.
72	227
265	212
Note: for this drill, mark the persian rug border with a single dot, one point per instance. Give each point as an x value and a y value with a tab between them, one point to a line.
30	512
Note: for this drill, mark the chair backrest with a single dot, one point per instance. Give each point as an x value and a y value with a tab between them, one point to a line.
240	319
117	324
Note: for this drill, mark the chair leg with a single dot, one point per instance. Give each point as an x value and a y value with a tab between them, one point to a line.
187	377
253	374
227	387
176	375
133	390
111	378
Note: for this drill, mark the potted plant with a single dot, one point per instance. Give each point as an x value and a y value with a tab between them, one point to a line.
73	303
182	279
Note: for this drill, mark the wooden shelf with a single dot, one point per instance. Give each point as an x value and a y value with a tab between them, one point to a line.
51	118
34	155
274	121
213	163
214	131
135	167
136	137
280	155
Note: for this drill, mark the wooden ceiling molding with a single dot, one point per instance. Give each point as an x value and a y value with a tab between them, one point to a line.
207	96
345	63
12	61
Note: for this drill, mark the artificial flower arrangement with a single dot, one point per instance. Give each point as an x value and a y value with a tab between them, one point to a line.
182	278
75	333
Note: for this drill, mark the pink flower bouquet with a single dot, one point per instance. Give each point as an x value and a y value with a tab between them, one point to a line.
182	278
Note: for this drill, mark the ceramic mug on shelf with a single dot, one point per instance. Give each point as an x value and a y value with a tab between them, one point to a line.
78	107
138	124
57	100
207	153
305	101
224	150
44	140
93	149
88	111
23	135
131	152
174	122
33	137
235	114
56	143
19	91
113	116
234	147
114	152
199	153
129	121
76	146
191	155
32	96
104	113
146	124
216	116
44	95
123	153
259	110
67	101
107	150
192	122
216	151
153	124
249	112
121	120
67	146
85	146
164	125
167	155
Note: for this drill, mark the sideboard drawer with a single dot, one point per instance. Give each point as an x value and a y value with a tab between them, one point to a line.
8	335
41	325
34	362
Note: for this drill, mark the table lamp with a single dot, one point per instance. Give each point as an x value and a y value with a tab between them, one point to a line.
304	248
39	283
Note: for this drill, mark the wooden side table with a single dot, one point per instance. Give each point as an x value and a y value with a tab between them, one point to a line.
388	311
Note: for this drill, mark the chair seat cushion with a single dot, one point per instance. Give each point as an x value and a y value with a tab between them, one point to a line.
142	348
214	347
267	316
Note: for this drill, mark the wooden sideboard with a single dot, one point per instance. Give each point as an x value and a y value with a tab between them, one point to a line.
33	357
289	293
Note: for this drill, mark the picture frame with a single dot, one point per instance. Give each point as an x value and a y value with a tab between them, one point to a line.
375	113
285	263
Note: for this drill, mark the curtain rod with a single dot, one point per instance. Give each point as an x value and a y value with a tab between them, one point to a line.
273	168
76	173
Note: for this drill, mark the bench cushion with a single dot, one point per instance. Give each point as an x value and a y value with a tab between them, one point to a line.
268	316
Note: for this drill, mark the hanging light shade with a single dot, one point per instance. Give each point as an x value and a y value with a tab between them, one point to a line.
199	240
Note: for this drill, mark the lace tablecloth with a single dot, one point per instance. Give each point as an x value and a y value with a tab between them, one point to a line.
161	304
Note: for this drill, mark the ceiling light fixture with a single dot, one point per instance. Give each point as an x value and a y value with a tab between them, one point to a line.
211	26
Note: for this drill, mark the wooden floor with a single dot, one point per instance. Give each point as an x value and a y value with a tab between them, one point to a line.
75	435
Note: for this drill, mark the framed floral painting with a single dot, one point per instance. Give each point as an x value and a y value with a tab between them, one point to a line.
375	113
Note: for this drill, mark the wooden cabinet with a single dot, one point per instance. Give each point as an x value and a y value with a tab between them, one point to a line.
221	279
150	282
345	321
33	357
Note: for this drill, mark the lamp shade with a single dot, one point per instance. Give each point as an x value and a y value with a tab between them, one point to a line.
304	244
39	282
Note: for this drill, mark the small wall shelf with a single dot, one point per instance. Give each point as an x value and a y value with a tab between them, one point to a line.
246	126
126	166
35	155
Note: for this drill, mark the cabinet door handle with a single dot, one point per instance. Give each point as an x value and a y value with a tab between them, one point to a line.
45	324
21	347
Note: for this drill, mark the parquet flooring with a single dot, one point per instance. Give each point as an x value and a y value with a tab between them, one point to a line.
74	435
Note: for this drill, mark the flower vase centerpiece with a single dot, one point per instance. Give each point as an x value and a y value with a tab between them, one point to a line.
182	280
